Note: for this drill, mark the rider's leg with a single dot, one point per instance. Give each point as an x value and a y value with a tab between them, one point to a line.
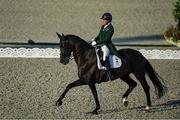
106	53
98	54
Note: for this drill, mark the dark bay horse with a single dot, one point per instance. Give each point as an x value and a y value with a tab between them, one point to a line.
88	73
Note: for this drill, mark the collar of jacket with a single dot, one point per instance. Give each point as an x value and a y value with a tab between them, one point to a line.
107	25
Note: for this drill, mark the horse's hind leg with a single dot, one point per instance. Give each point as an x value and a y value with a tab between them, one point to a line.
132	84
146	88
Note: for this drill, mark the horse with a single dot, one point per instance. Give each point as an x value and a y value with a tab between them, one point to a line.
89	74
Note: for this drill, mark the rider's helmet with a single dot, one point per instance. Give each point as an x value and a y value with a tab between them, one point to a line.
107	16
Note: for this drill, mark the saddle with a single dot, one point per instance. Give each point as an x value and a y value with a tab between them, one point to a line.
115	62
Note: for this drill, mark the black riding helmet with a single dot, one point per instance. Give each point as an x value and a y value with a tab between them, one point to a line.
107	16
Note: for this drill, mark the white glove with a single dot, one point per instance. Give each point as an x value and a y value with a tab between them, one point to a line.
92	39
93	43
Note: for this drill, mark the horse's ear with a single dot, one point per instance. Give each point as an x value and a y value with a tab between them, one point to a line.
63	36
60	37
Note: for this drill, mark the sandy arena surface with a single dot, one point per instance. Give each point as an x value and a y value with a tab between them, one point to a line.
29	88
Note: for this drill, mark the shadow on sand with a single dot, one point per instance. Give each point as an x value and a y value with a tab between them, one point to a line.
170	105
148	39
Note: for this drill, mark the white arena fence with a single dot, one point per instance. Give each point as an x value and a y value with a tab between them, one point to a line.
55	53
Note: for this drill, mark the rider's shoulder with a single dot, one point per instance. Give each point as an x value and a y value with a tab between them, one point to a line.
110	27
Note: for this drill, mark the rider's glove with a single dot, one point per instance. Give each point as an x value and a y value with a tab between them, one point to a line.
93	43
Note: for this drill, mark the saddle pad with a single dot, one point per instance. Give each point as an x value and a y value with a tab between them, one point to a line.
115	62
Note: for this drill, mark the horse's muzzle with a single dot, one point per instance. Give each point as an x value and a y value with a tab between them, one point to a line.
64	61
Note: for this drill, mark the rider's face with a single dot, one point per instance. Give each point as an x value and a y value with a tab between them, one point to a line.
104	22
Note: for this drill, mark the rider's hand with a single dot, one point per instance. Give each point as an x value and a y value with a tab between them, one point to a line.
93	43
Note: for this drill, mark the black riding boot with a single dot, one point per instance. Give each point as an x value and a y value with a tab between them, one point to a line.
109	70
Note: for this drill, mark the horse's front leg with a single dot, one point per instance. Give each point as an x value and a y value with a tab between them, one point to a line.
94	92
76	83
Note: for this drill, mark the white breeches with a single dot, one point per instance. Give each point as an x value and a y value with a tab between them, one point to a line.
106	52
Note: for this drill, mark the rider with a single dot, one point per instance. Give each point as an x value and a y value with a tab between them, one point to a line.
104	40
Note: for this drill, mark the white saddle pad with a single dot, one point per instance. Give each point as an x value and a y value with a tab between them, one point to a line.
115	62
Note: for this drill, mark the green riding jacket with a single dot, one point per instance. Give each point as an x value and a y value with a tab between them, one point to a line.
104	38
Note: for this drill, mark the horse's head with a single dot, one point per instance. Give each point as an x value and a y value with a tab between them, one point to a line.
65	49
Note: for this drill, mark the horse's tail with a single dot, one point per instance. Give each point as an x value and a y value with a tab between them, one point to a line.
160	89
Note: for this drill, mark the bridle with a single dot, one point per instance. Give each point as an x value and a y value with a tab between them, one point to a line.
65	46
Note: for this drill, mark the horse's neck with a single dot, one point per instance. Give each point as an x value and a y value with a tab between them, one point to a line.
82	53
80	48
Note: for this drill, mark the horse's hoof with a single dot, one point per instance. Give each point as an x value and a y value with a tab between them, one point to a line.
126	103
58	103
147	109
94	112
